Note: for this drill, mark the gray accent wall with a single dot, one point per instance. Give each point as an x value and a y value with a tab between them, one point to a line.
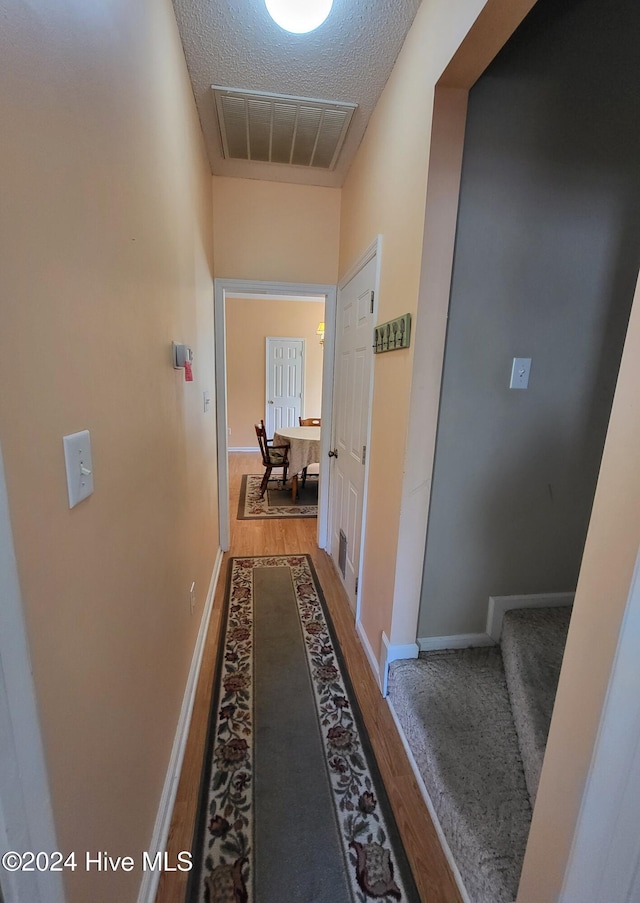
546	261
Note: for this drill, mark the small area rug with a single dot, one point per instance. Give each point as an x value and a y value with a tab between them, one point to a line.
277	502
292	807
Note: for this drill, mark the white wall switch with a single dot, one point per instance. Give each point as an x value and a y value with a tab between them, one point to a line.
520	373
77	456
206	400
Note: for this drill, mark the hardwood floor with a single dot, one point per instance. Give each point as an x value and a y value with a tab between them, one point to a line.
285	537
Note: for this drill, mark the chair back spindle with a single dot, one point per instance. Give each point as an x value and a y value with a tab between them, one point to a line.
272	456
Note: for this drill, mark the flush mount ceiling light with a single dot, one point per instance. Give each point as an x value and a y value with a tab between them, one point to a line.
299	16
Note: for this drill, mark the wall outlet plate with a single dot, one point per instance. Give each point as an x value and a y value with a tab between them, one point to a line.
392	335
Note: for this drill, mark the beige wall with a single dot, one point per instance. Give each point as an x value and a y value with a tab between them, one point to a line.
385	193
275	231
106	257
249	322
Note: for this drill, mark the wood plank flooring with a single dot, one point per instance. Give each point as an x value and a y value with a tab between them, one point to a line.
287	537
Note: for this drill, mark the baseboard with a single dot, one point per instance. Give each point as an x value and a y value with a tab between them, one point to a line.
499	604
432	812
373	661
246	448
149	885
457	641
390	654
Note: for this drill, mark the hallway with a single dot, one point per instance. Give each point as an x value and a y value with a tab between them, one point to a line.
284	537
115	233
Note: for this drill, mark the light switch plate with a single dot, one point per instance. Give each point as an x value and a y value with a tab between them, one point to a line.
520	373
77	456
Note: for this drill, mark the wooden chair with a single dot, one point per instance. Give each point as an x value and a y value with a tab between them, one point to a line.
312	469
272	456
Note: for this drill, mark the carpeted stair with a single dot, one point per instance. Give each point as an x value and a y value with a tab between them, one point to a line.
479	761
532	643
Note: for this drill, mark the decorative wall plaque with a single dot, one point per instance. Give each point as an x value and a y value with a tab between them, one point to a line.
393	335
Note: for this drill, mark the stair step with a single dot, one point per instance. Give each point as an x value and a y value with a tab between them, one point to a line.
533	641
455	712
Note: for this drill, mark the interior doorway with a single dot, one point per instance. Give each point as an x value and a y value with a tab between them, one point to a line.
26	815
239	358
522	540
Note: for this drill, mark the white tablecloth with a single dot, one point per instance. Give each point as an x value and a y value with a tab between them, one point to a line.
304	446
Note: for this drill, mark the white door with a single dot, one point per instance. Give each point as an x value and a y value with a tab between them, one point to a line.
354	353
285	383
26	816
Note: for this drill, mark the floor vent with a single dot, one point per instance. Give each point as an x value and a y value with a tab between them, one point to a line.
277	128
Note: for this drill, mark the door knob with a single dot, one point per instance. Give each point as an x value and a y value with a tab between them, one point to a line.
270	402
333	453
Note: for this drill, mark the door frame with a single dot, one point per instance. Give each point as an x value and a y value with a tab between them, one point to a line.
232	287
277	338
26	814
373	250
605	854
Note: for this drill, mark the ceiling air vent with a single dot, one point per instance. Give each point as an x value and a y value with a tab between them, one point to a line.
277	128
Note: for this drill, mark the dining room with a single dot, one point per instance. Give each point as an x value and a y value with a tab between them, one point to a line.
274	363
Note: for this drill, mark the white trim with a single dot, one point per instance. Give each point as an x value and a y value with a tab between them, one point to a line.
232	287
388	654
245	448
604	862
432	812
264	296
371	251
374	250
26	813
457	641
150	879
267	358
222	434
326	414
499	604
366	645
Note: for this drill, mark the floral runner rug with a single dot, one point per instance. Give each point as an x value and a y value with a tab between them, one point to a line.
277	502
292	807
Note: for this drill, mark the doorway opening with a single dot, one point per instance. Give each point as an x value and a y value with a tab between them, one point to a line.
26	813
545	269
247	314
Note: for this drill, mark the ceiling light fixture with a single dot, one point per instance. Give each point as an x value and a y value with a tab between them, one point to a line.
299	16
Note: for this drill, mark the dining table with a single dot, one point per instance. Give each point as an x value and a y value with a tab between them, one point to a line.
304	449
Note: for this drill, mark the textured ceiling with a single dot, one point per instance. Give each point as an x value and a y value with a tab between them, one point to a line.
235	43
